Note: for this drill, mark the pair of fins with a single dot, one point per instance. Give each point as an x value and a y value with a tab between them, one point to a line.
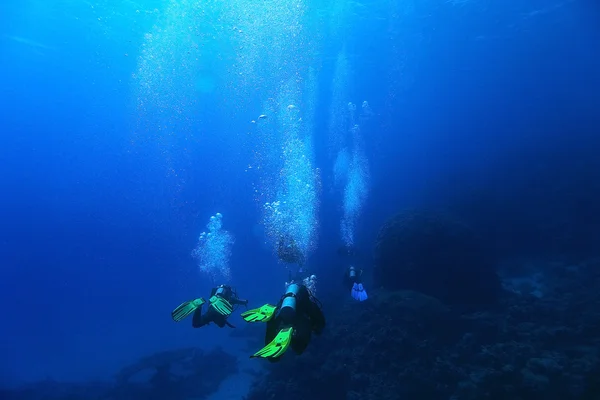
276	347
220	305
358	292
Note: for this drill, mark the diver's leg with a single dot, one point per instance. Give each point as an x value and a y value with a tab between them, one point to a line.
272	330
301	337
317	318
220	321
198	319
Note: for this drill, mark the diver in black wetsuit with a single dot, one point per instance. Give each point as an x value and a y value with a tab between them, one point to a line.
221	302
353	275
298	313
290	323
288	251
215	312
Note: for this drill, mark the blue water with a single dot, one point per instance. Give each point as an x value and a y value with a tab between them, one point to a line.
125	125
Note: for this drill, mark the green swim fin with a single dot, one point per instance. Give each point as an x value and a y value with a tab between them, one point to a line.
221	305
185	309
278	346
263	314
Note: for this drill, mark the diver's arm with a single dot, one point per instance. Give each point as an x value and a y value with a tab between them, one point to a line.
235	300
197	319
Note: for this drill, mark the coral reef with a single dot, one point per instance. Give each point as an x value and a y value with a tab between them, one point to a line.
436	255
407	345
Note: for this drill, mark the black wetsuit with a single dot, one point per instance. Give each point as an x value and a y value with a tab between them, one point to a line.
308	318
350	281
351	257
212	315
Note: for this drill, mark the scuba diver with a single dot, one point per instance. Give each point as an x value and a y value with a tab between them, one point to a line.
353	275
352	279
288	251
222	299
290	323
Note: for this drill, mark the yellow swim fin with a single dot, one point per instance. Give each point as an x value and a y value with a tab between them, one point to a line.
262	314
278	346
185	309
221	305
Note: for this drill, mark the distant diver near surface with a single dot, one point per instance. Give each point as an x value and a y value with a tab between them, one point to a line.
290	323
289	252
353	275
221	303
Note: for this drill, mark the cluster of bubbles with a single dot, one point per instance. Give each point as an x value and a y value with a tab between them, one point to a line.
340	168
176	66
338	117
176	42
357	177
263	41
366	111
214	249
251	48
365	114
294	212
311	284
350	165
274	218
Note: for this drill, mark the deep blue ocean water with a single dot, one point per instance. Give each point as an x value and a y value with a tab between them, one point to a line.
125	125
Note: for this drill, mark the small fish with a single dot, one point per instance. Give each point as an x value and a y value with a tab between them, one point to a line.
262	116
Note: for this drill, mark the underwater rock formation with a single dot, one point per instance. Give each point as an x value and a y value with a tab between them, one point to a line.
51	390
174	375
405	345
436	255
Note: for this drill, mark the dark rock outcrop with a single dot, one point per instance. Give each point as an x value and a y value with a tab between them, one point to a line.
174	374
436	255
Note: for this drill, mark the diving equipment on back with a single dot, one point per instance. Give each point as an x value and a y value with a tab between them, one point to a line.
352	279
290	323
222	300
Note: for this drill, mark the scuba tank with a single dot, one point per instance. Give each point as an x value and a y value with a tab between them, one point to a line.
223	291
353	274
287	310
